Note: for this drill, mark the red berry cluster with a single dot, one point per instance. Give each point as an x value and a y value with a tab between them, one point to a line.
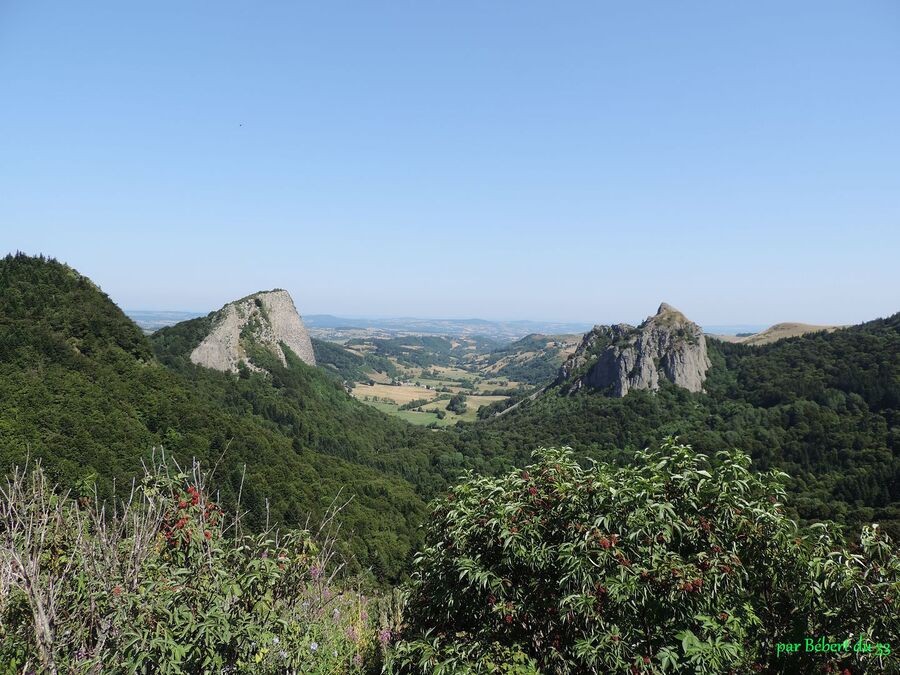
191	515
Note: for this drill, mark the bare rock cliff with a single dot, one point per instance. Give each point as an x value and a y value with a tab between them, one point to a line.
617	359
267	319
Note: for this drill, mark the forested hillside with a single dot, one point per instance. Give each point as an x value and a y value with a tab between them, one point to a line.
350	366
825	408
534	359
81	390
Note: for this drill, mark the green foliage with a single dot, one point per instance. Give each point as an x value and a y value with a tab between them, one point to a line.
679	563
80	389
537	369
457	404
349	365
168	583
821	407
83	389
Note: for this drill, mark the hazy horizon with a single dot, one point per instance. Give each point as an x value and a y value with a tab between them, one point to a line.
577	163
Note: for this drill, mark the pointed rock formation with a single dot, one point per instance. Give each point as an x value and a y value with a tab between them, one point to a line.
268	319
619	358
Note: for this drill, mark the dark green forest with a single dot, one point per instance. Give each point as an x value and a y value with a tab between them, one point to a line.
824	408
82	389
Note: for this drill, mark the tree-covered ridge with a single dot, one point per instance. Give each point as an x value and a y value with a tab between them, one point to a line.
90	397
862	360
821	407
534	359
81	389
349	365
48	306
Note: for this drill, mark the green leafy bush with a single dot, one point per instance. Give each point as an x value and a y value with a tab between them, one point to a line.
165	582
457	404
677	563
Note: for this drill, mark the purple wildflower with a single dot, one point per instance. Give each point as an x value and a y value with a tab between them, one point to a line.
384	635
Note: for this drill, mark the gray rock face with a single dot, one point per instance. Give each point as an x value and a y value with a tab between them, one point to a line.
620	358
267	319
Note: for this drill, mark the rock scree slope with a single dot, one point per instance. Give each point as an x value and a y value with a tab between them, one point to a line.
619	358
267	318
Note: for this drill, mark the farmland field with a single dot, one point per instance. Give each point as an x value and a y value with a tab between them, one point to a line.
399	394
421	418
391	373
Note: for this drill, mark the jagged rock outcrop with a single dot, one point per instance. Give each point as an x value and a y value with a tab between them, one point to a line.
266	319
619	358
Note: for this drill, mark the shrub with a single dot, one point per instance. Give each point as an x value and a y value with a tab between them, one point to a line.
457	404
674	564
167	582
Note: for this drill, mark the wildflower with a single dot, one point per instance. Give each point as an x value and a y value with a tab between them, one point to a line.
384	635
357	659
314	646
275	640
282	654
352	634
315	572
117	590
336	614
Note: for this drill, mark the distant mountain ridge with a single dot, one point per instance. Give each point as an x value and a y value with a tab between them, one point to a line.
507	331
779	331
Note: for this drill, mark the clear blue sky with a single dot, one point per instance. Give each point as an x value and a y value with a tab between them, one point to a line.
564	161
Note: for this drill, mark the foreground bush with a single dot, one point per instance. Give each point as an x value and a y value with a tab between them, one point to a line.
166	582
674	564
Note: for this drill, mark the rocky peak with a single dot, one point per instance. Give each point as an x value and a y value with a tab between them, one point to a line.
266	319
667	314
619	358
